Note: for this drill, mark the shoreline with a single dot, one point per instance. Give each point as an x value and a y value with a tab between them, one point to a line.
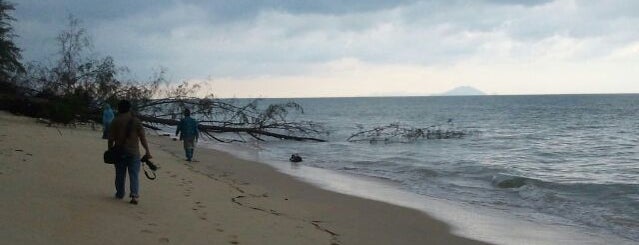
56	190
486	224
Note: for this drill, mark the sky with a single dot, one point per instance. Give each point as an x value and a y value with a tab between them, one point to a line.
336	48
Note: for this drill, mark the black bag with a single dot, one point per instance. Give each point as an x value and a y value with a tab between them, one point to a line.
118	153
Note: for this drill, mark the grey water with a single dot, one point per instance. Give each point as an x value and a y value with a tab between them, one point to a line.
572	160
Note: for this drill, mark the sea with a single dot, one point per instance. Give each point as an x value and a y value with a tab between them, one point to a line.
554	161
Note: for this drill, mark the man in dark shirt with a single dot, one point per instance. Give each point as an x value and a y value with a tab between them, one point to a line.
126	131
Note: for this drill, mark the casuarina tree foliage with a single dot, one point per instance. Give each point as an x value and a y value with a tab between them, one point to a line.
9	52
78	83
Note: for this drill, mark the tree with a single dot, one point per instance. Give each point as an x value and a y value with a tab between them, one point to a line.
78	83
9	53
228	115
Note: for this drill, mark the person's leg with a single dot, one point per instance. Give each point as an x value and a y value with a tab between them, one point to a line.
120	176
134	178
188	148
192	148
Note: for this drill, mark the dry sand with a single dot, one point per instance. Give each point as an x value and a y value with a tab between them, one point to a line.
56	190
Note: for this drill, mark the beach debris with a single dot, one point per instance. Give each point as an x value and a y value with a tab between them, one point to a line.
295	158
228	116
44	121
397	133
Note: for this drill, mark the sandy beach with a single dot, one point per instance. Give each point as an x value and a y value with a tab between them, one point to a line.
56	190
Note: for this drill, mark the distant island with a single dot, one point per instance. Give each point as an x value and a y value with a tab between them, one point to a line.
461	91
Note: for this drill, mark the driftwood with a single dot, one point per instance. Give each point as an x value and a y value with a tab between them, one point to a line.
209	129
240	117
397	133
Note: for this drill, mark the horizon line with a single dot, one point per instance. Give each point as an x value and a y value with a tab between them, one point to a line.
404	96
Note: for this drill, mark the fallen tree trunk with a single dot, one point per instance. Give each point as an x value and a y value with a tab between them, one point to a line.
253	131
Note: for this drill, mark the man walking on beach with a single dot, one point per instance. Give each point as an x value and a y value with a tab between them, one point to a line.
125	132
189	133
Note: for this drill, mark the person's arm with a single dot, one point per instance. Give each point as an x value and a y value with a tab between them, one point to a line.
143	141
111	136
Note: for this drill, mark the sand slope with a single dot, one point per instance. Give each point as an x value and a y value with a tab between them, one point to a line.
56	190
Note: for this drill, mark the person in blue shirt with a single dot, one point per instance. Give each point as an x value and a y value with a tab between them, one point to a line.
189	133
107	117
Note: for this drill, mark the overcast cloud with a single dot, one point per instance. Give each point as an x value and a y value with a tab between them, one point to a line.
356	48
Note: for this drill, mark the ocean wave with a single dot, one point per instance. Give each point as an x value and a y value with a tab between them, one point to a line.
510	181
609	206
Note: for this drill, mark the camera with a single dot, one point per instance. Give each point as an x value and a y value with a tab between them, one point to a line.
148	162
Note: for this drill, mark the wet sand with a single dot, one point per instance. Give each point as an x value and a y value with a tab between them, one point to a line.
56	190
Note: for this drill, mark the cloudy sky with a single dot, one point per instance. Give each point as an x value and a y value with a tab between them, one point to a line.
287	48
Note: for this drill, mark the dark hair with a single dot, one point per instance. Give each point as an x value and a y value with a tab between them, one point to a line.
124	106
187	112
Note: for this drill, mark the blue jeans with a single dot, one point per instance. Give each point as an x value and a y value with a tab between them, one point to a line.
133	166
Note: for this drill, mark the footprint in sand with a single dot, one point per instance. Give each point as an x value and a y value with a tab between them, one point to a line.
147	231
202	215
233	239
199	204
163	240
